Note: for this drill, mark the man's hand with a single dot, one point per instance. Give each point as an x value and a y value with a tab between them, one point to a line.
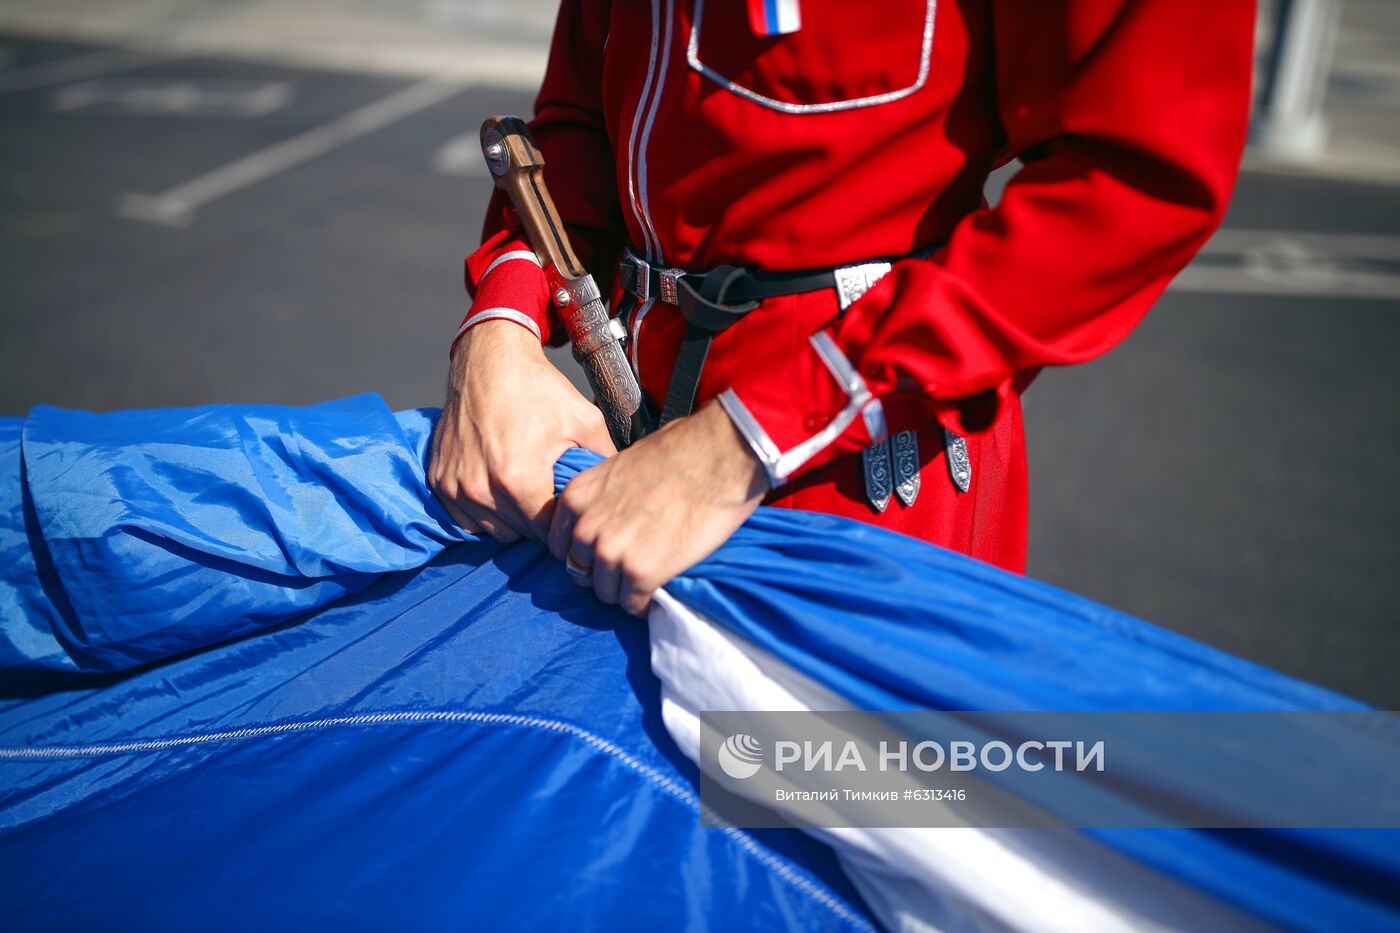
658	508
508	416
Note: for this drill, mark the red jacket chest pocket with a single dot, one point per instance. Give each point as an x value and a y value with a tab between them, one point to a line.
846	55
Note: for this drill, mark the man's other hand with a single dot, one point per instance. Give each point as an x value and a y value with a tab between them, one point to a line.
508	416
631	523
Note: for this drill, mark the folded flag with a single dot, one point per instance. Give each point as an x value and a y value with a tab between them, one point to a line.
251	673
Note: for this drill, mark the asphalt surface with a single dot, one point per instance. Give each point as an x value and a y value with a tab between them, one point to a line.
1229	472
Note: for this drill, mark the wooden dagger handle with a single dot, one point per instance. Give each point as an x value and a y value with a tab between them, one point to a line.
518	169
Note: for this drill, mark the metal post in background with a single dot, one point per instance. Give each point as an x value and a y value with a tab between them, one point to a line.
1289	123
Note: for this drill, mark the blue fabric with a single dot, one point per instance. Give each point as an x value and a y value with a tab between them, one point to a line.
185	573
475	743
534	789
169	531
930	629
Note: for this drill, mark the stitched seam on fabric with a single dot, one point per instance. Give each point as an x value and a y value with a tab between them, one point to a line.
785	871
596	742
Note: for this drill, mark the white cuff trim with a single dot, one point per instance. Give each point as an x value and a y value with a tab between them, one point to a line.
500	314
758	440
780	465
875	424
507	257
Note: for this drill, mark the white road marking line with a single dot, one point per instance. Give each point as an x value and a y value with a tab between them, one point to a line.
65	70
183	97
1296	263
365	38
1224	280
1372	246
176	207
461	155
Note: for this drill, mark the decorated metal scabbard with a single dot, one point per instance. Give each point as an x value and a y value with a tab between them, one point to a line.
597	343
516	165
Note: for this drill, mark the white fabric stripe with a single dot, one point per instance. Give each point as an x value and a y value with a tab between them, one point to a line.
841	369
858	399
789	18
780	465
632	201
758	440
503	314
507	257
875	424
794	458
658	254
961	878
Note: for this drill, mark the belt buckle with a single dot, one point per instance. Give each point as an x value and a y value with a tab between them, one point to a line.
670	287
641	276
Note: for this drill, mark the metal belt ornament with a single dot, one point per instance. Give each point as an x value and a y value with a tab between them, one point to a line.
891	466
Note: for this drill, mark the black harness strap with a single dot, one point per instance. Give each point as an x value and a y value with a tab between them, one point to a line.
710	302
646	281
707	314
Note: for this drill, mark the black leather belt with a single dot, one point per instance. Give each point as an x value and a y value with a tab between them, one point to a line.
711	302
648	282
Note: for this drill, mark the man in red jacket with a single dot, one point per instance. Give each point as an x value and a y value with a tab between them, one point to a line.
827	161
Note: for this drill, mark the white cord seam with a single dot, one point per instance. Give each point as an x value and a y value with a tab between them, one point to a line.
596	742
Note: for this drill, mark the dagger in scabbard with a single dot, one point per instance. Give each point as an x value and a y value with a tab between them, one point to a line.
517	168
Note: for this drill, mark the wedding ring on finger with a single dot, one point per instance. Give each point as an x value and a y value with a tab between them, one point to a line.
576	570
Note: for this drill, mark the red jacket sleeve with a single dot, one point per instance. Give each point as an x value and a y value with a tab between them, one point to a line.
1129	116
503	276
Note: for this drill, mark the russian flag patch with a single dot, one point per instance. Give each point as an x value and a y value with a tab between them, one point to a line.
774	17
